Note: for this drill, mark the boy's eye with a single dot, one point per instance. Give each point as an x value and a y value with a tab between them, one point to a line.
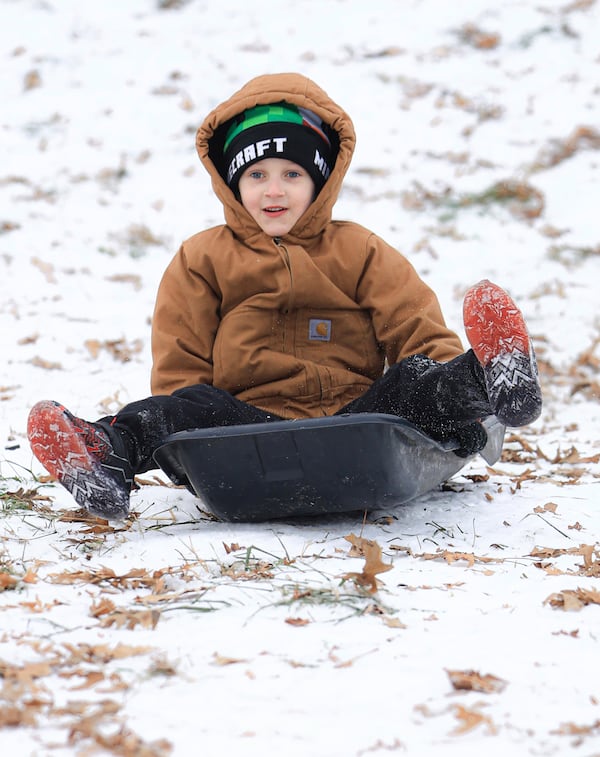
255	174
293	174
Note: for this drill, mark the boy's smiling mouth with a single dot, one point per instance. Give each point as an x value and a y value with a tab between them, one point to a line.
276	193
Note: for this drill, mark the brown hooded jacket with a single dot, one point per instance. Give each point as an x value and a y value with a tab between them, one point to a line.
298	326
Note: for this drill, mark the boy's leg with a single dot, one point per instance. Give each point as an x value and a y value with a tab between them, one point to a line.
444	400
97	461
497	377
145	424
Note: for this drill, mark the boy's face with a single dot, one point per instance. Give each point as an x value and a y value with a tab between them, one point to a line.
276	192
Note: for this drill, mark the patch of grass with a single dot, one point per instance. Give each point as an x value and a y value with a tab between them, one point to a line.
354	603
19	500
563	29
15	493
571	256
520	198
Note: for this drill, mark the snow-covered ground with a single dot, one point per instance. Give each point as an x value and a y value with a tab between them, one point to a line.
478	156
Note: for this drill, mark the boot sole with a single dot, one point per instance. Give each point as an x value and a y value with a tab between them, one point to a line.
498	335
62	451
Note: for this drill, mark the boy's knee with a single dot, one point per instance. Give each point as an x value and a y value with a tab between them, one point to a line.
198	392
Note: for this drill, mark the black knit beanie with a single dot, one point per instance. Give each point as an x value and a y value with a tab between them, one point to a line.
277	131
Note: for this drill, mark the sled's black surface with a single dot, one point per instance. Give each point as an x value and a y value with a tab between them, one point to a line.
312	467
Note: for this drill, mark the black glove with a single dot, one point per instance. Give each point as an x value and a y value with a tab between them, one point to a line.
470	435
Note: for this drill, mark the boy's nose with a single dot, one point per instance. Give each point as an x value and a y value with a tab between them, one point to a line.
274	187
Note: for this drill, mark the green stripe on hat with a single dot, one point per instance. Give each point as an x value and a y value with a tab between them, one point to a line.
263	114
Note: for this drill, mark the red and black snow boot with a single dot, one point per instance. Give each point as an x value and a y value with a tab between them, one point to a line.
496	330
81	457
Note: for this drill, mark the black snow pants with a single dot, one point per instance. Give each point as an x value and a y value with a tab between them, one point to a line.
444	400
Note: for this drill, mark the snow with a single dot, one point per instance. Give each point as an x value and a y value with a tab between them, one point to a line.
178	634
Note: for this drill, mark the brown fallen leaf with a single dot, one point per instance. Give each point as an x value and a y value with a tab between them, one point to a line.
38	606
6	226
297	621
30	577
471	680
393	622
590	567
549	568
90	679
374	565
572	729
130	619
547	552
25	673
127	278
32	80
233	547
47	365
119	349
133	579
103	607
476	37
572	455
7	581
47	269
573	599
219	659
470	719
13	716
451	557
581	138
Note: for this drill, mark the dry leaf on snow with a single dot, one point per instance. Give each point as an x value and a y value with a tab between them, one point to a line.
131	618
478	38
90	678
572	729
119	349
297	621
47	365
233	547
393	622
590	567
219	659
470	719
14	715
471	680
452	557
371	551
573	600
7	581
32	80
572	455
110	615
103	607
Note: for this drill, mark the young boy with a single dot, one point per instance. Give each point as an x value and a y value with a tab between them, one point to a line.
284	313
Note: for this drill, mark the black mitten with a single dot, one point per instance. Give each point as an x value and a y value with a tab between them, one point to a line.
470	435
472	438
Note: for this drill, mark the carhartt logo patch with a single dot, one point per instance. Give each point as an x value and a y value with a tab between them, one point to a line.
319	330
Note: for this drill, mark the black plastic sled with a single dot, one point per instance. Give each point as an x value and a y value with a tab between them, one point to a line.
340	463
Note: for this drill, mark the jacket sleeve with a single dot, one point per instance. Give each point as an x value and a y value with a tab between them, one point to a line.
405	312
184	324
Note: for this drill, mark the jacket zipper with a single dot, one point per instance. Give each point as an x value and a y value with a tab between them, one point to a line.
286	259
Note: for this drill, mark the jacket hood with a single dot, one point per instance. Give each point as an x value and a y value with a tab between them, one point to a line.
263	90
